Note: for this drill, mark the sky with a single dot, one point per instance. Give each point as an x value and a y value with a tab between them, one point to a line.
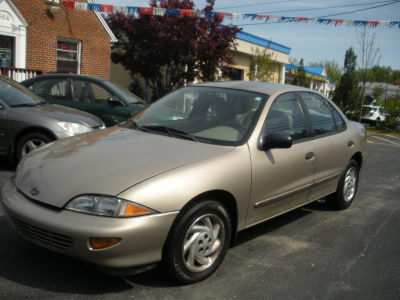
313	42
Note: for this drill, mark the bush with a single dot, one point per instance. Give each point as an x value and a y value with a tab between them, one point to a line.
392	109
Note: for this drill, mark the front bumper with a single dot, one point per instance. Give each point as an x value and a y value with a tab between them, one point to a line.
67	232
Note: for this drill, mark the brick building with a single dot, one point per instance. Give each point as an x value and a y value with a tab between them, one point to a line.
44	35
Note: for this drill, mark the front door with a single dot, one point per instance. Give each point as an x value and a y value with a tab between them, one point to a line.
93	98
6	51
281	178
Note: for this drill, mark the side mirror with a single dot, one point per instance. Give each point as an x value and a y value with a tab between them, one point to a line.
275	141
115	102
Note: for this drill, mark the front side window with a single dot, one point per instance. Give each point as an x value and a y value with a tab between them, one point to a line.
87	91
100	95
68	56
285	117
320	113
126	94
209	114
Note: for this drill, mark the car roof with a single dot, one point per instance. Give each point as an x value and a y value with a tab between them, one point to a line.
61	75
255	86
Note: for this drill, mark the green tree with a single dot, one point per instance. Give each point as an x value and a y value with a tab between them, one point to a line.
301	79
369	56
378	93
392	109
262	66
169	51
395	76
380	74
347	93
332	68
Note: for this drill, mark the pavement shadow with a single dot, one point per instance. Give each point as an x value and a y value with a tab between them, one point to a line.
269	226
5	165
319	205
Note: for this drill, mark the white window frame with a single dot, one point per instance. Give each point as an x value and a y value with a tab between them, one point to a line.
78	51
53	2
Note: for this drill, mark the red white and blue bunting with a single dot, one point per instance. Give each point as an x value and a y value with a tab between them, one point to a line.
154	11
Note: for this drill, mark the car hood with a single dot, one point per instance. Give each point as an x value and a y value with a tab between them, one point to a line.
60	113
104	162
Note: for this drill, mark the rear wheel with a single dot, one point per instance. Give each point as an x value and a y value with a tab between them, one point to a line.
347	187
30	142
198	241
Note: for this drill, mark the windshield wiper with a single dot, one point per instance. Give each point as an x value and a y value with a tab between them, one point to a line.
132	125
24	105
171	131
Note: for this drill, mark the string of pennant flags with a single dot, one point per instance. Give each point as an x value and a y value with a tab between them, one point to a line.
155	11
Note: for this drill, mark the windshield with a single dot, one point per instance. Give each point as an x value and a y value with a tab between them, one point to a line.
128	96
206	114
14	94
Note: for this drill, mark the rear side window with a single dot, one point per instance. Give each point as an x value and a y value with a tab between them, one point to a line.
319	111
285	117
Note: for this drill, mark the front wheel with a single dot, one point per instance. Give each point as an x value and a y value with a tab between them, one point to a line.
347	187
198	241
30	142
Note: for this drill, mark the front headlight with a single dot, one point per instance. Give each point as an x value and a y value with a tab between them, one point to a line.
74	128
106	206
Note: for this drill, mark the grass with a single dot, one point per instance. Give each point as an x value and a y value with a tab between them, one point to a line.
373	129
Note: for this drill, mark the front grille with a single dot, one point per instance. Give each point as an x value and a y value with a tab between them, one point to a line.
43	237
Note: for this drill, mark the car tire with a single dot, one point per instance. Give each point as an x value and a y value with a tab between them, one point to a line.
197	242
347	187
30	142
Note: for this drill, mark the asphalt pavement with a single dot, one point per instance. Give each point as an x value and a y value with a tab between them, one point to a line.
309	253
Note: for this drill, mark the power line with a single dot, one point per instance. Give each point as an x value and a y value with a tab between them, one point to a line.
255	4
327	7
338	14
345	13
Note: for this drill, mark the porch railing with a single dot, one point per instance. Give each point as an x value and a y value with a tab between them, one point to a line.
19	74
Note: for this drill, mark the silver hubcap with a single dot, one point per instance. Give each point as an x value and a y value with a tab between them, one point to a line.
31	145
203	242
350	183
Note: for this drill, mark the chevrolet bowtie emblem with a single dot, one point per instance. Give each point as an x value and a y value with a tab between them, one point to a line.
35	192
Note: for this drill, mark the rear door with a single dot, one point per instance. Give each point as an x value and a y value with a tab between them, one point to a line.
53	90
332	145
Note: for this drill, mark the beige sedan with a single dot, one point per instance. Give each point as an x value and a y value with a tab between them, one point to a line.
178	181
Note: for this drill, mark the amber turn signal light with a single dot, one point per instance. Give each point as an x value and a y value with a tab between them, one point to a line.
103	242
135	210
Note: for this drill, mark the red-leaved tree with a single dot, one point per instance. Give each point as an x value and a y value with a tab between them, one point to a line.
169	51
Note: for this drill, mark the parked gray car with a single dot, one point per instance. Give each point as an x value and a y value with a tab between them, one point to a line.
28	122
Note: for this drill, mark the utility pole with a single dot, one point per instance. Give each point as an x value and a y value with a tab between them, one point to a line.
387	81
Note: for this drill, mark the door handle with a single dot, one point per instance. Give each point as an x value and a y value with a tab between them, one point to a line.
310	155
